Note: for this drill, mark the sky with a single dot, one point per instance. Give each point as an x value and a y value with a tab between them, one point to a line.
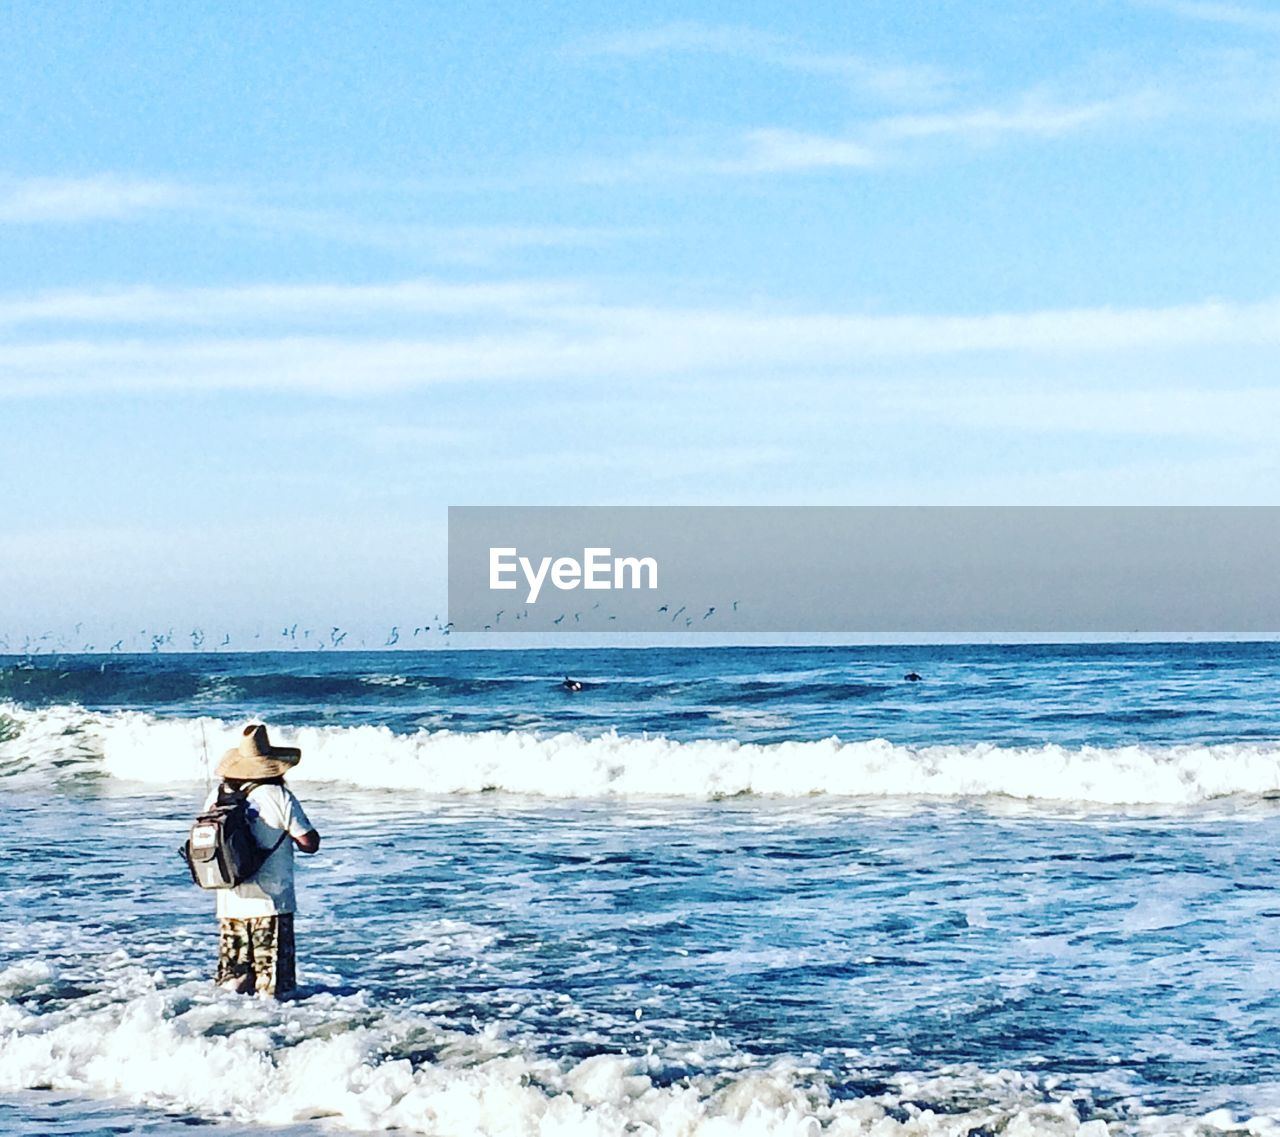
279	283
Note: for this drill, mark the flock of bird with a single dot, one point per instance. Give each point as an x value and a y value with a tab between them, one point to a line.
308	639
336	637
199	639
664	609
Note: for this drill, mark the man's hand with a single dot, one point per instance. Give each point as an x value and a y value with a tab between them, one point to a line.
309	842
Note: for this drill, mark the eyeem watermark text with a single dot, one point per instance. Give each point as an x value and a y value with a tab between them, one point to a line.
598	569
909	571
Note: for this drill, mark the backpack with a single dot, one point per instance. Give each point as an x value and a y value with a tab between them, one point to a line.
221	851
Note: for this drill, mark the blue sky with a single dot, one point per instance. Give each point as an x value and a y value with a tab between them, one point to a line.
279	283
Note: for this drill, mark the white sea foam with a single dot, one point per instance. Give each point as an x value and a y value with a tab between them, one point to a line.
66	742
337	1059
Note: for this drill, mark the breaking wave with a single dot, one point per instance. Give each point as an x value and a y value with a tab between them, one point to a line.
60	743
356	1066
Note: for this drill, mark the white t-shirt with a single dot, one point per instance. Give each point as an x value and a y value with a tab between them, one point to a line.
272	810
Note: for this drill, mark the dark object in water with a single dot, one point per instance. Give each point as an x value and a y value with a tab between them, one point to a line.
571	684
912	677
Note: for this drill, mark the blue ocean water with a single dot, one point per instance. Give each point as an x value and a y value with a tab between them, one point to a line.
1099	694
718	890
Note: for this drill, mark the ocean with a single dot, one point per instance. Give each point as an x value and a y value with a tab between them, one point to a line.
718	891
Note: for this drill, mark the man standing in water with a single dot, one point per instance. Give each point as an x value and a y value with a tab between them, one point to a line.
255	919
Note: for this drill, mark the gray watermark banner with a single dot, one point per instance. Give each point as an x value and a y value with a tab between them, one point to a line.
865	570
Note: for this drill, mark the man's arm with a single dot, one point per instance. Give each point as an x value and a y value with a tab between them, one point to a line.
298	824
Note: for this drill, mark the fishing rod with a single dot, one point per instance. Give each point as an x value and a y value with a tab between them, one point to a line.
204	745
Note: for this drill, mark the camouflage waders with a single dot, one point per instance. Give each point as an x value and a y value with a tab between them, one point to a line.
256	954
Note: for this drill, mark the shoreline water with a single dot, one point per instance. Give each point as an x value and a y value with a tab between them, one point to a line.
575	952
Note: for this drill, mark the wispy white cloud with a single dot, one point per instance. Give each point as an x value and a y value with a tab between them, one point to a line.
121	197
1241	414
331	365
102	197
892	82
529	335
273	303
875	136
1214	12
1032	115
880	141
1116	478
474	245
766	151
888	80
684	36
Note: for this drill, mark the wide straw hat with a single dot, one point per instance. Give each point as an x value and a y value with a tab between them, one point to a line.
256	757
